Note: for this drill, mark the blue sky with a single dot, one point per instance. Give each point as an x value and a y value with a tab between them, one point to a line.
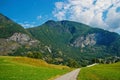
32	12
103	14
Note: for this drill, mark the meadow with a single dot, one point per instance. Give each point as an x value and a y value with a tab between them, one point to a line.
23	68
101	72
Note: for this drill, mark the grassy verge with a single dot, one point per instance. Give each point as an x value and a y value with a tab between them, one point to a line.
21	68
101	72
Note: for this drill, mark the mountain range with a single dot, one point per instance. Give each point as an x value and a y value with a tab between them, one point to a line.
59	42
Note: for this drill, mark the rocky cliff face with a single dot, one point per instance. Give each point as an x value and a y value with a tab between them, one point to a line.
15	41
82	41
7	47
22	39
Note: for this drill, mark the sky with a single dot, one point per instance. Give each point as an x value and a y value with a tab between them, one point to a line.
103	14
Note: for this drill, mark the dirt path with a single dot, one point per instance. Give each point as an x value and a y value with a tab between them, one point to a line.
70	76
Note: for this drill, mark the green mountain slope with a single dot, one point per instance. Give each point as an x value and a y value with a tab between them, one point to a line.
9	27
13	37
59	42
77	41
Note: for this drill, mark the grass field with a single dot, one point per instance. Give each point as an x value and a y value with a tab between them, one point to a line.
101	72
22	68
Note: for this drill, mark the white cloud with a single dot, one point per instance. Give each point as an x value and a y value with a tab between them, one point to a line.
59	5
60	15
39	17
113	17
90	12
27	24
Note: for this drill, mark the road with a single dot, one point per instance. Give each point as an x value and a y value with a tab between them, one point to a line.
70	76
73	74
92	65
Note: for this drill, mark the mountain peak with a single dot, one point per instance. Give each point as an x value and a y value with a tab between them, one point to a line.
77	40
50	22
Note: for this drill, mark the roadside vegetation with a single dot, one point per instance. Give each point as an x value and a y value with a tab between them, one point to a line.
22	68
101	72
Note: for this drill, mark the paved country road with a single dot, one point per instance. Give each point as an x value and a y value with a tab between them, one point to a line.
92	65
70	76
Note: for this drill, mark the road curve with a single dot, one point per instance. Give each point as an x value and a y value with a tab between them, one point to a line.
70	76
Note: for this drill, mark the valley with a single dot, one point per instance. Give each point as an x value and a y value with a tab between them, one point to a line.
60	40
54	48
23	68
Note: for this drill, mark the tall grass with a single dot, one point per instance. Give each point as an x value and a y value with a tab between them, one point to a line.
101	72
18	68
37	62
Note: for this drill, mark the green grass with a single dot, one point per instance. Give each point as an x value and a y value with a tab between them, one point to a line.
22	68
101	72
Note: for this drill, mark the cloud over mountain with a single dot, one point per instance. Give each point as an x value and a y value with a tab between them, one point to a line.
98	13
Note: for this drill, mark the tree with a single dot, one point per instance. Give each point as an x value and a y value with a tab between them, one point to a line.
72	63
34	54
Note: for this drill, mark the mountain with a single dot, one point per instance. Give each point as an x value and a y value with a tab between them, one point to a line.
71	40
13	36
59	42
9	27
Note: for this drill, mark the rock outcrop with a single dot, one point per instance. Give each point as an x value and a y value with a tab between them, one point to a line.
22	39
16	41
82	41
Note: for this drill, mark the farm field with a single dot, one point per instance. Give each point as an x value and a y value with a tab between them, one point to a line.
101	72
22	68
